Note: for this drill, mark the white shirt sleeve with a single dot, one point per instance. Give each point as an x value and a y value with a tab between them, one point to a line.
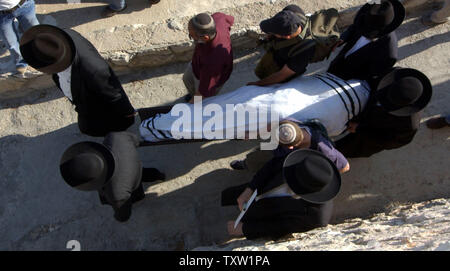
8	4
64	82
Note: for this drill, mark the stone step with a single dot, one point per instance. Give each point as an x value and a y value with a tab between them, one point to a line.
40	211
420	226
141	46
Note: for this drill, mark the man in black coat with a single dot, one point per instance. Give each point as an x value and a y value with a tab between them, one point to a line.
391	118
293	135
112	168
370	42
82	75
294	195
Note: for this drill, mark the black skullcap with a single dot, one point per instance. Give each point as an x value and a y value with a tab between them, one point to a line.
202	19
203	24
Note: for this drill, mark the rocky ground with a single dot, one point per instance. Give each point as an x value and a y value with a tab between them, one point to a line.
409	227
145	37
38	211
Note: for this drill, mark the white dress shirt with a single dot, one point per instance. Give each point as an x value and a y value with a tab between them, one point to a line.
363	41
64	82
280	191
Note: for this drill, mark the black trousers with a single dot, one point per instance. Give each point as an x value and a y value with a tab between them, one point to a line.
148	175
100	126
277	216
124	212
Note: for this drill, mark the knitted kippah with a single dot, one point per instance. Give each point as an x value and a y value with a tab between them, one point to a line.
289	133
203	21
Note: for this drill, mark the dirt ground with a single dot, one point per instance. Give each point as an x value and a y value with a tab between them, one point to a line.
39	211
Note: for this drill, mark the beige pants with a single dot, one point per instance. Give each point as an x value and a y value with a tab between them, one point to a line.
191	82
441	15
438	16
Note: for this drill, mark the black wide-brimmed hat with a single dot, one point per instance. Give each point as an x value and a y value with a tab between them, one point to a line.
311	175
87	165
404	91
377	20
47	48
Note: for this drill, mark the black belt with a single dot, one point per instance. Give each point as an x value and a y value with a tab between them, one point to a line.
9	11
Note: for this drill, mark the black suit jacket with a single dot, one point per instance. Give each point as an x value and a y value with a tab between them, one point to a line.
367	62
277	216
97	93
377	131
125	185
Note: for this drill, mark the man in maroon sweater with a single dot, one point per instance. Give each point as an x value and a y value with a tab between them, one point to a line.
212	62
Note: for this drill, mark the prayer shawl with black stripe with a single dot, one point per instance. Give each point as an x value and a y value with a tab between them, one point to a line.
325	97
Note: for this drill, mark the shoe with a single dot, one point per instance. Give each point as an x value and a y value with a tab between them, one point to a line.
20	72
153	2
426	20
108	12
437	123
238	165
152	175
188	97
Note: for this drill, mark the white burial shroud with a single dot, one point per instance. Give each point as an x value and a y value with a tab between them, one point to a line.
325	97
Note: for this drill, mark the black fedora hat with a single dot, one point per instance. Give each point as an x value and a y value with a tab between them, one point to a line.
404	91
377	20
47	48
87	165
311	175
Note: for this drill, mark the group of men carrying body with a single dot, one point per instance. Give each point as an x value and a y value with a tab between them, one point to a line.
361	94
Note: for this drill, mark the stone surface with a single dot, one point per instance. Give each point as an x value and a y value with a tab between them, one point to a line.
148	41
410	227
38	211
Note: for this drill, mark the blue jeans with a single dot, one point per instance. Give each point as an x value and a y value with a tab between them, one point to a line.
26	17
116	4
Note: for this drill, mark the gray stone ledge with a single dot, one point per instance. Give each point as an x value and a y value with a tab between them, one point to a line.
133	49
408	227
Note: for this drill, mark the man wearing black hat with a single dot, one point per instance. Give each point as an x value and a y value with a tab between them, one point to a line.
392	116
295	135
285	30
82	75
294	196
112	168
370	42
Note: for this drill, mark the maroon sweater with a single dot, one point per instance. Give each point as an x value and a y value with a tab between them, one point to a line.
212	62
